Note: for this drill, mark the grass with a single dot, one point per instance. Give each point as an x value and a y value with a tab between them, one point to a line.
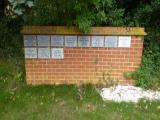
61	102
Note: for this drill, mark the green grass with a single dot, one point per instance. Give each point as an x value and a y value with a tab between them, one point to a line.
60	102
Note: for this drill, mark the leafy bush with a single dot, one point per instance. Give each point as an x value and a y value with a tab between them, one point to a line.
11	40
80	13
147	15
148	75
11	73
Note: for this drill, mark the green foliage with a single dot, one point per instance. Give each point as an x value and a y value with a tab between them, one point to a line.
146	14
11	79
17	7
106	80
81	13
2	7
86	92
11	40
150	11
148	75
11	73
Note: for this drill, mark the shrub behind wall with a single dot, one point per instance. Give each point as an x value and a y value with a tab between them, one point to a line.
11	42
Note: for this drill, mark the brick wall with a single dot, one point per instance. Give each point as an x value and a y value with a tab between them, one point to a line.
83	65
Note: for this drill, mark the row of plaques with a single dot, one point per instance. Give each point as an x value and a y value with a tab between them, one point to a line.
77	41
56	53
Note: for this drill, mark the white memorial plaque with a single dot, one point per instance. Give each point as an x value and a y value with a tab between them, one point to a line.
70	41
124	41
29	40
83	41
57	53
43	52
30	52
111	41
97	41
43	40
57	40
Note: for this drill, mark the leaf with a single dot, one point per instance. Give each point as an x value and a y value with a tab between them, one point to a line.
29	4
11	1
18	11
20	1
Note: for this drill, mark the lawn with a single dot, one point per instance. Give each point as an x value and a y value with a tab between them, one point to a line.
62	102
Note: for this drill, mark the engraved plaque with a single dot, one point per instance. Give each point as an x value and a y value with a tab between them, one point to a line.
43	52
124	41
83	41
29	40
70	41
57	40
111	41
43	40
57	53
30	52
97	41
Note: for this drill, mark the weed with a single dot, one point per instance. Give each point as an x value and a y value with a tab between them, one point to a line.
106	81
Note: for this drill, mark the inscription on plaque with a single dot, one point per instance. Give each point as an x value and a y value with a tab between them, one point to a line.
124	41
43	53
70	41
57	53
97	41
57	40
111	41
43	40
83	41
30	52
30	40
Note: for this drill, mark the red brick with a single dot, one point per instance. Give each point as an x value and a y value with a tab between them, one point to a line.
85	65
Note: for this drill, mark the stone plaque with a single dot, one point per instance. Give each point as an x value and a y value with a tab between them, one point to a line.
124	41
111	41
43	52
70	41
30	52
29	40
57	53
83	41
97	41
43	40
57	40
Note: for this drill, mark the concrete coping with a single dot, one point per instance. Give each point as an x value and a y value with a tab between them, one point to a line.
63	30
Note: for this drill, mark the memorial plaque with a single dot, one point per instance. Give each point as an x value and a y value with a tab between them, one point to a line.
30	52
43	40
83	41
124	41
97	41
111	41
57	40
43	52
57	53
70	41
30	40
